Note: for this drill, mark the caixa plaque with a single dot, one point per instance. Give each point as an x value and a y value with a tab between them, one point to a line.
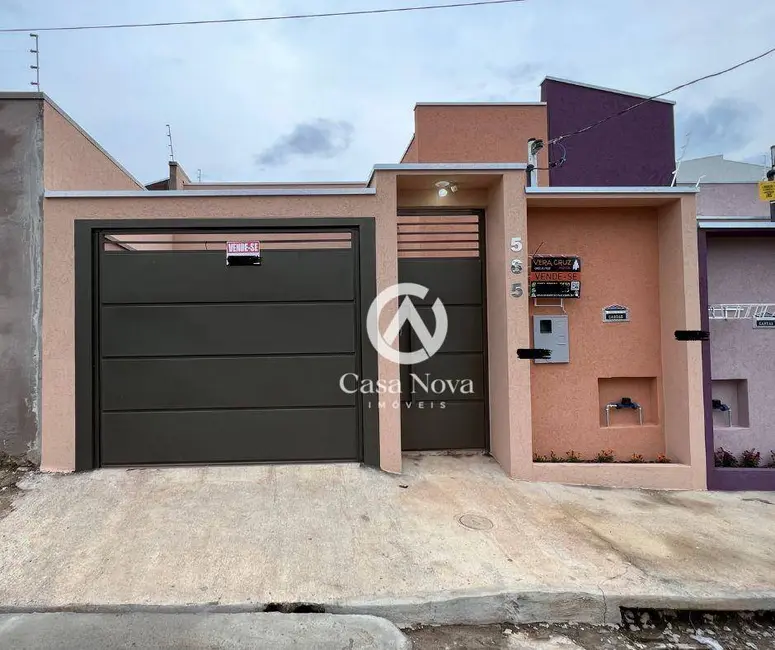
764	323
616	314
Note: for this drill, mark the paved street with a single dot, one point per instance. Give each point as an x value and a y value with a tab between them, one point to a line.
453	540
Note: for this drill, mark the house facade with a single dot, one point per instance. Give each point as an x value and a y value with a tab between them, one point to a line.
152	344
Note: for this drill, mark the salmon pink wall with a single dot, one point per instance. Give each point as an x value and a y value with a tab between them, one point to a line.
507	331
73	161
478	133
619	250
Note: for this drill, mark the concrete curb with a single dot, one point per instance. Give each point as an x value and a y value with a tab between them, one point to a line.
65	631
482	607
474	607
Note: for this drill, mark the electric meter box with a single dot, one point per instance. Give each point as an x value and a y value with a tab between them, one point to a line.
551	333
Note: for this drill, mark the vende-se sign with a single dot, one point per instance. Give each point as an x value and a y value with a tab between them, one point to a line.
243	248
243	253
555	276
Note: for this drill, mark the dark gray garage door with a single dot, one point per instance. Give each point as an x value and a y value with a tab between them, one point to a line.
204	363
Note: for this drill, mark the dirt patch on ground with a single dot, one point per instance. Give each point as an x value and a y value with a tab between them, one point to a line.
642	630
12	470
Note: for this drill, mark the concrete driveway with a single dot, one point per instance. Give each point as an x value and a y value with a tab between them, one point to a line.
453	540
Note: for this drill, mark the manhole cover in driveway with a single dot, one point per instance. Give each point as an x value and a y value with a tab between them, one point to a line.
475	522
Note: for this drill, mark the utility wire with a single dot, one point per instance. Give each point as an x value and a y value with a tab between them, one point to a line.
589	127
262	19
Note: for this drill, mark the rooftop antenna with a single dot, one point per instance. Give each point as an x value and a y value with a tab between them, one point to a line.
36	51
172	150
198	175
680	158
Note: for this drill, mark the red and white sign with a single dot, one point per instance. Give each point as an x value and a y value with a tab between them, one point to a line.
243	248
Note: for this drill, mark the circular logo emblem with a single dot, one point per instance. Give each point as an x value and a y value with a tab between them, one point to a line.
383	342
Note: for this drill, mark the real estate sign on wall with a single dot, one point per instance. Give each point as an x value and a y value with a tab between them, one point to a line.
555	276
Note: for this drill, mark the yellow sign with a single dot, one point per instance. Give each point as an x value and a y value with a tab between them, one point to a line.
767	190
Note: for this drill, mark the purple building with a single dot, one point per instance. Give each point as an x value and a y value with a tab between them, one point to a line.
634	149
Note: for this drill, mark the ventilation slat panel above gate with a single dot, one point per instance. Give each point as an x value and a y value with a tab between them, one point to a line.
435	236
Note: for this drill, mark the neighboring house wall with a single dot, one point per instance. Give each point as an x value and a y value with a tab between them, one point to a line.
731	200
715	169
178	177
742	270
74	161
21	195
635	149
159	186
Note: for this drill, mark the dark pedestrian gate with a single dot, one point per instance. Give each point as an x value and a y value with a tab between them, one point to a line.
200	362
443	251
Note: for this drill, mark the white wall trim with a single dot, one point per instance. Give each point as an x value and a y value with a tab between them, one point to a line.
445	167
449	167
612	190
736	225
193	194
732	217
260	185
480	104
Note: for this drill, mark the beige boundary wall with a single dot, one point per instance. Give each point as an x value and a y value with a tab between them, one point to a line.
507	204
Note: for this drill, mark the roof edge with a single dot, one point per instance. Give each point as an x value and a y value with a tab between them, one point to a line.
445	167
22	94
409	146
607	90
473	167
646	189
279	184
193	194
480	104
764	224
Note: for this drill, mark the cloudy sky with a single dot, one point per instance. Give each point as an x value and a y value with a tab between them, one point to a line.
325	99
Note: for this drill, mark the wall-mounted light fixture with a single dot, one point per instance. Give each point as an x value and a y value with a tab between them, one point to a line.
445	187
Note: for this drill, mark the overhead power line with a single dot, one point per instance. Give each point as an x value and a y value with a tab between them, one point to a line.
262	19
589	127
